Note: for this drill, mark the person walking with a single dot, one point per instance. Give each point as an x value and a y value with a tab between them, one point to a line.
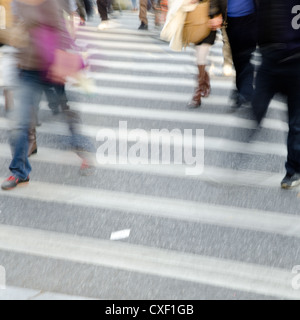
173	32
134	5
279	42
103	9
218	15
143	15
242	35
82	12
37	16
8	58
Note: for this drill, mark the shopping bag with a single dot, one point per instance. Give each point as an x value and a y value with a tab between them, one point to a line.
196	27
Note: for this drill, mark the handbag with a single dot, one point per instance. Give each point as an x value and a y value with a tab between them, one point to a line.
57	63
196	27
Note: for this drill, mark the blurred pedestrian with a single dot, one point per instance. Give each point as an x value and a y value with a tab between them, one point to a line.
134	5
8	61
173	32
82	12
40	19
242	34
279	41
143	15
104	9
218	15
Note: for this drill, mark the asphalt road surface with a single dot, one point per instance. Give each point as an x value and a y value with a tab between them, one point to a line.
229	233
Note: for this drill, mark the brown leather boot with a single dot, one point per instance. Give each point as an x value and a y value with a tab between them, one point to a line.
204	82
32	148
202	89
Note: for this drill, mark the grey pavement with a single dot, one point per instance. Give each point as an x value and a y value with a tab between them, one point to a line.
230	233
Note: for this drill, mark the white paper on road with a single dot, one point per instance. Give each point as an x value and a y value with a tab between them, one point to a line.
119	235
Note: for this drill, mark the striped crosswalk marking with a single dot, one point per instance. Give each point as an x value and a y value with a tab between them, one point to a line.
165	263
123	56
275	223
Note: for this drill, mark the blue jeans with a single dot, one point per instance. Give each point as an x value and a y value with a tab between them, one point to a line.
31	87
28	99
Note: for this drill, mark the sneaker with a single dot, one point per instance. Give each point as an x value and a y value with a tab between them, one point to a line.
290	182
227	70
87	168
12	182
143	26
103	25
238	101
108	24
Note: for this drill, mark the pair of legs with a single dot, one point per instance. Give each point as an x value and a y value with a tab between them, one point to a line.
144	14
81	11
104	7
242	35
56	96
203	87
29	94
277	75
134	5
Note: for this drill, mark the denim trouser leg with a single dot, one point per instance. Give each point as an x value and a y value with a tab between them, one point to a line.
28	98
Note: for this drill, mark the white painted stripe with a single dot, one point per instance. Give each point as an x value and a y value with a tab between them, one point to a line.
258	179
150	261
186	57
142	47
125	31
15	293
215	144
173	56
232	217
226	120
129	38
167	81
153	67
162	96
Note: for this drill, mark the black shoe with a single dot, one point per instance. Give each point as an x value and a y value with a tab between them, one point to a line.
12	182
143	26
290	182
239	101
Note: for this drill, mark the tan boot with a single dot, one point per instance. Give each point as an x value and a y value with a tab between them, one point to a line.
32	148
204	82
202	89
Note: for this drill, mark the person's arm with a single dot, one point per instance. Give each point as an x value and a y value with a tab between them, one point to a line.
218	12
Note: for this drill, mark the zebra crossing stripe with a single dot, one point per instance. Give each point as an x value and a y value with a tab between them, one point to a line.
150	261
232	217
214	144
152	67
211	174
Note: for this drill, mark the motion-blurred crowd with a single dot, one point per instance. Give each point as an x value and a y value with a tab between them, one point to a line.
39	39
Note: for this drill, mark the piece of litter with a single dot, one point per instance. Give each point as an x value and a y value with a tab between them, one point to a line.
119	235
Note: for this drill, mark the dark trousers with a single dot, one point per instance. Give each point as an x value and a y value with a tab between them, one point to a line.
278	75
242	34
56	96
103	6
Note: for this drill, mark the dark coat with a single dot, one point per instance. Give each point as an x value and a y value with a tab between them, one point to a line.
279	25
